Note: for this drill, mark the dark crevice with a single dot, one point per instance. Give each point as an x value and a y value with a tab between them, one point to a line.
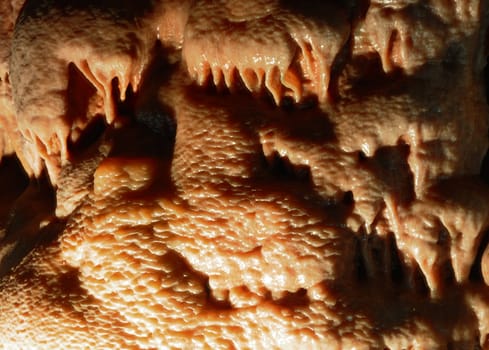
224	304
418	282
378	258
337	68
377	248
13	182
484	172
287	104
486	79
294	299
397	274
360	269
79	92
87	128
443	237
237	82
348	199
360	77
360	10
25	226
283	169
447	274
91	134
160	120
181	267
362	157
390	163
148	110
154	124
124	108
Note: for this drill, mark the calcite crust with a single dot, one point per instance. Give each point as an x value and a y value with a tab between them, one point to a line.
208	174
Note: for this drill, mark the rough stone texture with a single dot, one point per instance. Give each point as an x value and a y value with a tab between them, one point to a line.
205	174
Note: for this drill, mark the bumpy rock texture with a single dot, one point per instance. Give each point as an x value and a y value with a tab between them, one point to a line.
228	174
